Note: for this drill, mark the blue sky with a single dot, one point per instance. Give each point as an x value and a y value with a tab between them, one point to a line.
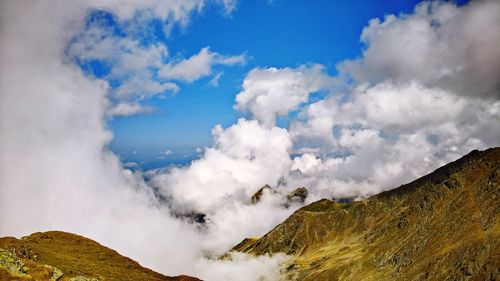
279	33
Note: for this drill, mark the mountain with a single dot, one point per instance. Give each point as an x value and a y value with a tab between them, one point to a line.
443	226
62	256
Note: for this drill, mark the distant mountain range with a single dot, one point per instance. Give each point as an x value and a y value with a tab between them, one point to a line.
443	226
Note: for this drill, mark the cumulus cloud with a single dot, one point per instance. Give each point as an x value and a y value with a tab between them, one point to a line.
53	153
52	127
136	70
198	65
440	45
418	99
425	92
228	169
270	92
220	184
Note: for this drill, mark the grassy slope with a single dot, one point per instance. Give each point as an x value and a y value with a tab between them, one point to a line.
444	226
74	255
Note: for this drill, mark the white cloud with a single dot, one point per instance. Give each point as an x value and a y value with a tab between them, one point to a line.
229	5
399	124
177	11
271	92
388	134
167	152
54	128
262	268
130	164
425	93
244	157
214	82
139	71
229	168
439	44
197	66
69	176
127	109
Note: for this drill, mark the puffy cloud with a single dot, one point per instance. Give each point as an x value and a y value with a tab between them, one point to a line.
391	125
229	169
439	44
425	92
388	134
197	66
244	157
53	126
109	47
271	92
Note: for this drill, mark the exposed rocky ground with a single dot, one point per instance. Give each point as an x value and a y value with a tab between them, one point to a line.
443	226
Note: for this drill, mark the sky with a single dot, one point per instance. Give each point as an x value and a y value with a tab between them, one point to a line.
268	33
119	119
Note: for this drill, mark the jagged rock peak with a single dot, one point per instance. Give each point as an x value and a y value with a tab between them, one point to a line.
257	196
298	194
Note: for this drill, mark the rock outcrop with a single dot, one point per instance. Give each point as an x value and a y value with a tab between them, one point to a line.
257	196
299	194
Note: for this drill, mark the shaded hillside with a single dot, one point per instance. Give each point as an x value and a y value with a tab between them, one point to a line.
58	255
444	226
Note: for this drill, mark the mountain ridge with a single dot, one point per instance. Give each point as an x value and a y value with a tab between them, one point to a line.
442	226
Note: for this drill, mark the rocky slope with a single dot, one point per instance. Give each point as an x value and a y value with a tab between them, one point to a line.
443	226
63	256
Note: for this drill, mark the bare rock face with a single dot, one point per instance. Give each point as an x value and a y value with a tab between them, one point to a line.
299	194
57	255
257	196
443	226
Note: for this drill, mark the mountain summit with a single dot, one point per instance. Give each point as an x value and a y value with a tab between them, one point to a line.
443	226
62	256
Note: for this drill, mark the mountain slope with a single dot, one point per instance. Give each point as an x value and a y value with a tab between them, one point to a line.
56	255
444	226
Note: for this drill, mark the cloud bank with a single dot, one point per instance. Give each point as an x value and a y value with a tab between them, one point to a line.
424	92
56	171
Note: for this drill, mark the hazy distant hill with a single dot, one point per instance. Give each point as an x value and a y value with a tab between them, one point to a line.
63	256
443	226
